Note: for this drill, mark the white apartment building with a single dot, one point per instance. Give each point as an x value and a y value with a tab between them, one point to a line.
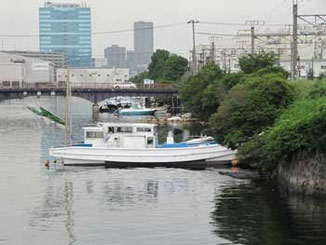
18	71
92	77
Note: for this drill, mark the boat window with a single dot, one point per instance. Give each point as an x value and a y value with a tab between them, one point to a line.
144	130
111	130
124	130
150	141
94	135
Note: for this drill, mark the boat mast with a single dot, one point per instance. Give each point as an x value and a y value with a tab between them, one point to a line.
67	110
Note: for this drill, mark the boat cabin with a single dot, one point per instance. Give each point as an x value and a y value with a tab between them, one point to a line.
121	135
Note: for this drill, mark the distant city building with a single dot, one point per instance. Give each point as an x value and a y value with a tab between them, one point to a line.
139	59
98	62
115	56
19	71
92	77
143	41
58	59
67	28
226	51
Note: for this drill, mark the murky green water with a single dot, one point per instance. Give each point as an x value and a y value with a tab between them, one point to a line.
133	206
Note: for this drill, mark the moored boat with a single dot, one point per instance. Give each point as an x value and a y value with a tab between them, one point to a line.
110	143
137	110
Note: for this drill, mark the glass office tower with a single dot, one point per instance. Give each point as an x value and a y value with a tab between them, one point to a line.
67	28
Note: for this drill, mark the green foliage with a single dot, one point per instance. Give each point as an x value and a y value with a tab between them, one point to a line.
322	76
167	67
310	74
140	77
273	69
301	128
250	107
254	62
198	92
174	68
318	89
156	67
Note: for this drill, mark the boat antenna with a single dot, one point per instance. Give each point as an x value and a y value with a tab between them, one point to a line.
67	110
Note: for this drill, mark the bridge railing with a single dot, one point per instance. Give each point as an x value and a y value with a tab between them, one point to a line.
91	86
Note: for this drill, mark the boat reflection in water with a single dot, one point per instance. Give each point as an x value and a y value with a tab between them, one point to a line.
256	213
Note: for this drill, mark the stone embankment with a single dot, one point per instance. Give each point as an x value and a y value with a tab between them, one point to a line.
304	175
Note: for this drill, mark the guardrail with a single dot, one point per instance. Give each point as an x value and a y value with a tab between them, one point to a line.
91	86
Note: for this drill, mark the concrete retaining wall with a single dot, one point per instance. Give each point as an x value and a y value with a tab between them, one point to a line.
303	175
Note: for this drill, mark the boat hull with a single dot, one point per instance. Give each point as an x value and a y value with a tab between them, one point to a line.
137	113
90	156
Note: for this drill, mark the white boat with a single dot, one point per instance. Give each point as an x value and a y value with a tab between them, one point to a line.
110	143
137	110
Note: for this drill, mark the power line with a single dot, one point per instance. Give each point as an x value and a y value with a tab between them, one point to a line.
216	34
138	29
238	24
103	32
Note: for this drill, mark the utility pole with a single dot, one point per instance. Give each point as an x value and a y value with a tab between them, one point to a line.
312	68
213	52
295	40
194	58
252	32
253	23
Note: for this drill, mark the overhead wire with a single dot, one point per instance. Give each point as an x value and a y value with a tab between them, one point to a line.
103	32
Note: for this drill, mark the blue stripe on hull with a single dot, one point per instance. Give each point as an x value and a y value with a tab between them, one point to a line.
137	113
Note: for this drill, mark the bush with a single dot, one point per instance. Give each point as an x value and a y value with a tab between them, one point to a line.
249	108
301	128
317	90
198	94
254	62
273	70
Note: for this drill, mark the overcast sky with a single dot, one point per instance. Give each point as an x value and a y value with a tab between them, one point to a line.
21	17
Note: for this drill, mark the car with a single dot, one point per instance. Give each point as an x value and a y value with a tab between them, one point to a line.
126	85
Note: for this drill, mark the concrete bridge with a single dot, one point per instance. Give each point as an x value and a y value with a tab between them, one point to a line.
93	95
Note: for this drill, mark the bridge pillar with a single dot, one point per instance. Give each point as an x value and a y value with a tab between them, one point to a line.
95	112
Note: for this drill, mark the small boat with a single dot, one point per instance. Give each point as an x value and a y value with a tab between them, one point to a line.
201	140
114	104
137	144
137	110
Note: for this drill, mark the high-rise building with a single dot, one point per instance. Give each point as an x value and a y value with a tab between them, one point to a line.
66	27
115	56
143	41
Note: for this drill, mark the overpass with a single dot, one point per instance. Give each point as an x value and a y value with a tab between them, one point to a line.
93	95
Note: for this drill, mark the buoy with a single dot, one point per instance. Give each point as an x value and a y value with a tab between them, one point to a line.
235	162
47	163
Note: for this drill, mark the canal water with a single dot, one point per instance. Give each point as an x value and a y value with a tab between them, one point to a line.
74	205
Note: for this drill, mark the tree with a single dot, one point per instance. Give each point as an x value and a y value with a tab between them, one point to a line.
298	132
174	68
254	62
140	77
273	69
250	107
196	93
166	66
156	67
